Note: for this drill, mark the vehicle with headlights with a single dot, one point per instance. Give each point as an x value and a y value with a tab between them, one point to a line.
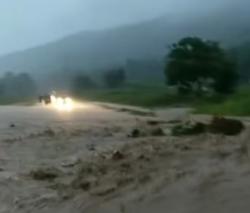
58	102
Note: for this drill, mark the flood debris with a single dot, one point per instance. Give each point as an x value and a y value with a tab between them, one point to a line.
177	121
49	132
135	133
85	185
91	147
124	180
87	177
117	155
45	174
189	129
158	132
132	111
104	190
7	175
143	157
145	131
156	122
12	125
183	147
144	178
153	122
13	140
218	125
88	183
137	112
225	126
125	166
71	162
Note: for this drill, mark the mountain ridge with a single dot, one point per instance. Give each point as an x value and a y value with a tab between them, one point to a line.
95	50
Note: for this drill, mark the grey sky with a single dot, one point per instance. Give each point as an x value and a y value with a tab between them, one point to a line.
27	23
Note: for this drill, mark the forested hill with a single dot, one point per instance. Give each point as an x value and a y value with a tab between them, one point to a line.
148	40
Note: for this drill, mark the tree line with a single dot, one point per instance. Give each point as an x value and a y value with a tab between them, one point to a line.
113	78
17	85
192	65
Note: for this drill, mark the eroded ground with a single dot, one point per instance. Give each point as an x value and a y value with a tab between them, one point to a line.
93	160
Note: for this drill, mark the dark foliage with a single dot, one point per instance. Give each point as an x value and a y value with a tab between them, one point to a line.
220	125
194	64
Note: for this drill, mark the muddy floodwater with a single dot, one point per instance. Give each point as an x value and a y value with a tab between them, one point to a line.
102	158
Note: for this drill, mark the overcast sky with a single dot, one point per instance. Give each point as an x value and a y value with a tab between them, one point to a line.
27	23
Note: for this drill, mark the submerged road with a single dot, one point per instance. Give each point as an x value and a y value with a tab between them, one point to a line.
78	169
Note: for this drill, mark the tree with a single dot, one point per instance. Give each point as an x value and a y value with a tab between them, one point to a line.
194	63
114	78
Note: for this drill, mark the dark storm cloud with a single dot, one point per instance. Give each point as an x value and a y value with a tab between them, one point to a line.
26	23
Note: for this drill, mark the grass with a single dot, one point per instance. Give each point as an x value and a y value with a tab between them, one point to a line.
150	96
145	96
237	104
138	96
17	101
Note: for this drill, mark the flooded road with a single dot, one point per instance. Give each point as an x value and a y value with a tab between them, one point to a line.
87	160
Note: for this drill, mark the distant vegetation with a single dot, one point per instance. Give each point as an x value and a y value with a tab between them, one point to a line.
16	88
